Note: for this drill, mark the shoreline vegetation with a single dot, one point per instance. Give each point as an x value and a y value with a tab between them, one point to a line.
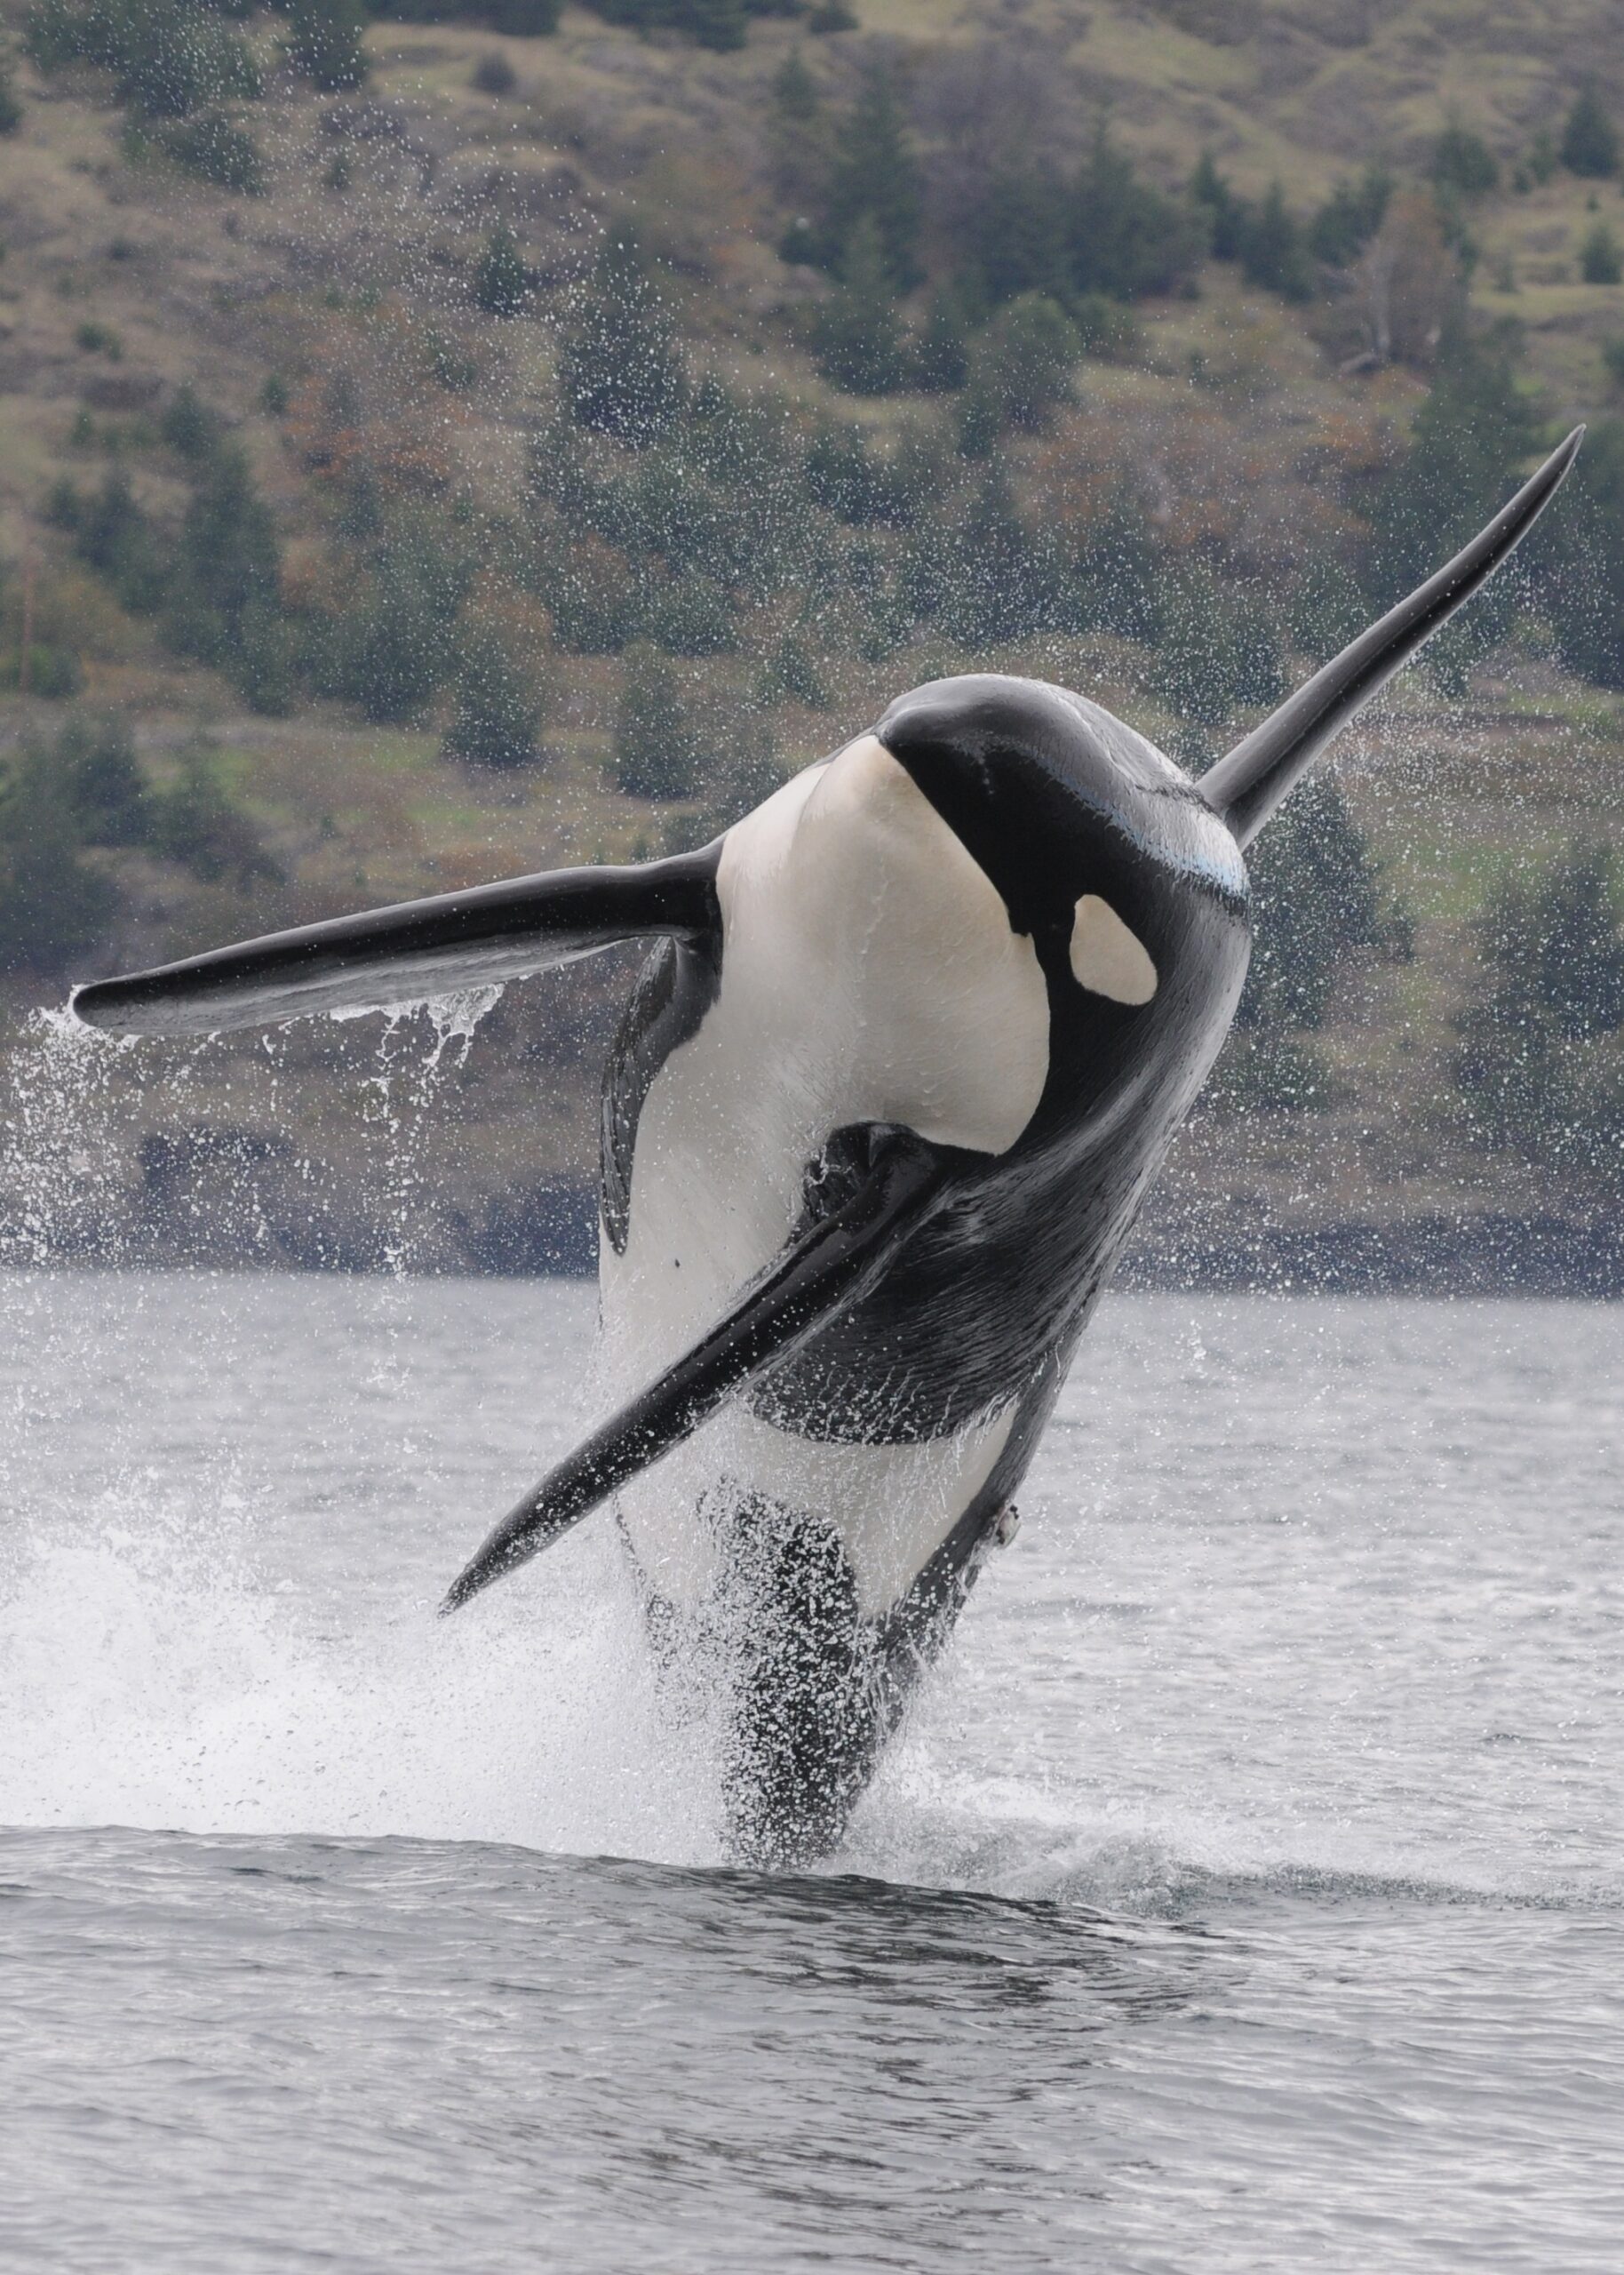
452	441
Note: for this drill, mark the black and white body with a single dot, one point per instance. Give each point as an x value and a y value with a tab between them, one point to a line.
910	1043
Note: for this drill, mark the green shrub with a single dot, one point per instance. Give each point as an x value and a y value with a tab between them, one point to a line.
621	371
691	616
501	281
51	673
654	752
168	58
324	41
494	74
1463	162
1218	650
1020	372
218	151
848	480
941	360
497	713
791	674
1601	257
197	823
103	781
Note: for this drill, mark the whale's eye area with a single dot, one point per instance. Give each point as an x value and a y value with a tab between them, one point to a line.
1106	958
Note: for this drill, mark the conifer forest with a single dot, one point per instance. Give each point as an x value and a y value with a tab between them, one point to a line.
449	439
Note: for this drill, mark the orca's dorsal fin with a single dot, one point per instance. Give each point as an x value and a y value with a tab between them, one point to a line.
414	950
1257	775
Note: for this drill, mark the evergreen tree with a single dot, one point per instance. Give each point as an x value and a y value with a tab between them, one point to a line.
1318	904
168	58
395	644
873	176
1272	251
113	535
1349	218
1124	236
1316	901
1210	193
795	90
227	561
324	41
621	371
858	341
718	24
1590	139
53	908
11	106
1541	1067
501	282
654	753
1017	241
190	429
848	480
498	713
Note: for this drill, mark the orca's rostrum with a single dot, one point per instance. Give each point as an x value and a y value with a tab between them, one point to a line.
911	1043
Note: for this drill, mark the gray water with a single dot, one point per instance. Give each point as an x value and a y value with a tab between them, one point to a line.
1245	1893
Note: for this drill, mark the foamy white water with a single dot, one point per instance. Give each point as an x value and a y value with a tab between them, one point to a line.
1246	1890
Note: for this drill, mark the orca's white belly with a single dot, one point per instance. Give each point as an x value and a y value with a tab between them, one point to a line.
869	974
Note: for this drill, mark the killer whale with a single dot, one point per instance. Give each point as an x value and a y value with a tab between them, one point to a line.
910	1044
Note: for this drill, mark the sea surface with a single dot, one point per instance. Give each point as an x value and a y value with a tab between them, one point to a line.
1246	1891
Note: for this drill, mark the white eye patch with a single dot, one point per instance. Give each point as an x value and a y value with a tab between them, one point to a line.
1106	958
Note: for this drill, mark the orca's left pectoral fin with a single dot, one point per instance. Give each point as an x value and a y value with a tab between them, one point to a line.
829	1265
415	950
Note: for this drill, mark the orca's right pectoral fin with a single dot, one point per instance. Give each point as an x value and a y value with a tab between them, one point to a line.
415	950
829	1265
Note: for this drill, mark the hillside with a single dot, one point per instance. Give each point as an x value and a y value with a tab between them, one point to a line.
361	387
